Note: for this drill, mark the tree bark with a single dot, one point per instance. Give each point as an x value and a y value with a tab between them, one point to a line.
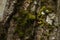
58	14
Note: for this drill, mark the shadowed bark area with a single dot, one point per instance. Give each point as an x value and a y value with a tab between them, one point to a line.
12	9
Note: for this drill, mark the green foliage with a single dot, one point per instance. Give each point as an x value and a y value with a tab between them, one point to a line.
31	16
25	20
42	21
43	0
47	10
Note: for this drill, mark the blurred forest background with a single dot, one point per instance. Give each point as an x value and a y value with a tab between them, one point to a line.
29	19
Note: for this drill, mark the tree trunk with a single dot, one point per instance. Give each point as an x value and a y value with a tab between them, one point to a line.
58	14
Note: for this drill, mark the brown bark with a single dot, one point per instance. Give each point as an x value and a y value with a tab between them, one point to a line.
58	14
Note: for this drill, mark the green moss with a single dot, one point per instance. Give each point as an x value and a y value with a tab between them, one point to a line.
31	16
26	18
43	0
